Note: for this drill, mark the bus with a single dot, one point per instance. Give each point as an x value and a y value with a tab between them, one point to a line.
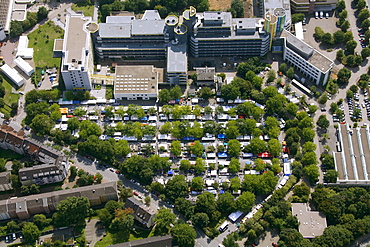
224	226
301	87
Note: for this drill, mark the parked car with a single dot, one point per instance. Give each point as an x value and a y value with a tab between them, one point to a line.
321	14
326	15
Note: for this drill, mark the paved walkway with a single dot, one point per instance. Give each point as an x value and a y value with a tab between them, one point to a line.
93	232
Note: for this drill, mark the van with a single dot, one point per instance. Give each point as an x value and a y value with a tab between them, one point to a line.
224	226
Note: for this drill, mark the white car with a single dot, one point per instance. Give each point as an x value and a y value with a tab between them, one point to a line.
321	14
316	15
326	15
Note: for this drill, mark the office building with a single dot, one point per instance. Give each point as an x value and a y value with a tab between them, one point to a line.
309	6
136	82
311	63
77	60
217	34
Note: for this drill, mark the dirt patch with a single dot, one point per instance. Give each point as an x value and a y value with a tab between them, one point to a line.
248	8
219	4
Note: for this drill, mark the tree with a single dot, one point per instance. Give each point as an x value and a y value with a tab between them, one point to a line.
234	166
323	98
237	9
41	221
365	53
164	96
331	176
200	165
319	33
327	38
340	6
80	207
176	148
235	184
30	232
184	235
16	28
16	166
245	201
42	124
345	25
226	203
271	75
123	222
292	108
363	14
184	165
290	73
205	93
309	147
98	177
176	187
338	37
175	92
164	219
283	67
291	237
309	158
197	183
200	219
351	45
230	92
256	146
312	173
197	149
365	24
233	148
344	75
126	193
42	13
312	109
323	122
334	236
73	123
274	147
297	18
340	55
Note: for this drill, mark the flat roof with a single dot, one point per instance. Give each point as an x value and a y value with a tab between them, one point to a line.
147	27
119	19
320	61
312	223
271	5
5	9
136	79
115	30
151	15
19	15
58	44
177	58
76	40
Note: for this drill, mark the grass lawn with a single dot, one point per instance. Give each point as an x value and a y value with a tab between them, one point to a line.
110	239
87	9
42	41
9	97
9	155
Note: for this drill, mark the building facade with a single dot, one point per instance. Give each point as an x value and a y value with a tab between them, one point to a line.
24	207
311	63
77	53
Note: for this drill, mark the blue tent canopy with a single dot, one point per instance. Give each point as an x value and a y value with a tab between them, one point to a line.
222	155
221	136
144	119
170	172
188	138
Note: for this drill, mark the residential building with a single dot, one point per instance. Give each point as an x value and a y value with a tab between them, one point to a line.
206	76
157	241
44	174
77	60
311	63
309	6
24	207
136	82
311	223
143	214
5	183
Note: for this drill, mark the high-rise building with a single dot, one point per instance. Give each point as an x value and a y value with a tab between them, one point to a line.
77	53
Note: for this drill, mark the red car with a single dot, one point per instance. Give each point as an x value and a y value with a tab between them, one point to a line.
135	193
